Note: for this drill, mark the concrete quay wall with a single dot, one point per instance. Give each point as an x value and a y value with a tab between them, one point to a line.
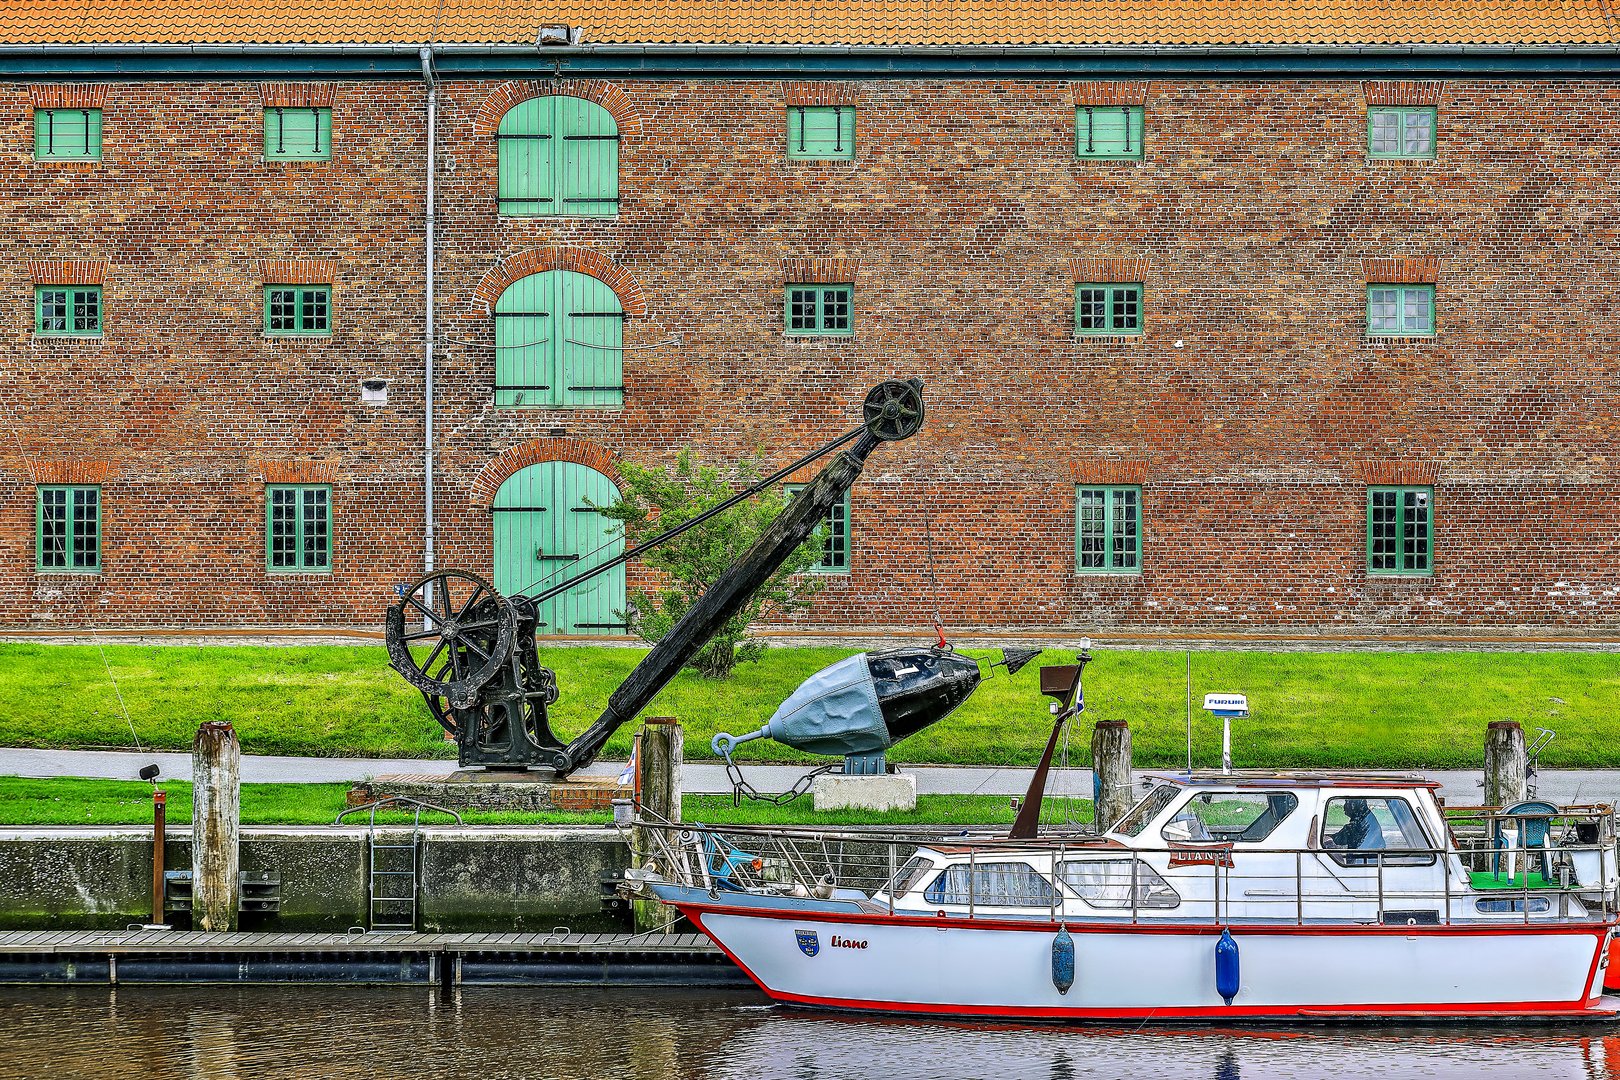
469	879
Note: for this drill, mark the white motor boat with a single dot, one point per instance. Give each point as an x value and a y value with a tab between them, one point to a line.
1275	895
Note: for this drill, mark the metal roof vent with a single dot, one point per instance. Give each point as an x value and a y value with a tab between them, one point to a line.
552	36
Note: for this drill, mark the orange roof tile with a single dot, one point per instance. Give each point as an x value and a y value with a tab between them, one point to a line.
815	22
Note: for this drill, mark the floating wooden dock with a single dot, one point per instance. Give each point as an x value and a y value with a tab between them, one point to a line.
183	956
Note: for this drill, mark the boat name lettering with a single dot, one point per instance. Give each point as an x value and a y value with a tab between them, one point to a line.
846	943
1205	855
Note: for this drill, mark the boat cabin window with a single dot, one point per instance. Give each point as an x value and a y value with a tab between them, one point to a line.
997	884
1142	815
1244	817
1362	831
908	876
1500	906
1109	883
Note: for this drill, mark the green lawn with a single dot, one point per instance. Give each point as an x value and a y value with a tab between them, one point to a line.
1310	709
128	802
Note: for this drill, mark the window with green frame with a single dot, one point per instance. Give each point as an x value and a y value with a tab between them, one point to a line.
1108	309
1108	530
297	134
67	530
1400	310
67	134
1108	131
297	309
67	310
298	528
834	530
1400	530
820	309
821	132
557	156
1400	133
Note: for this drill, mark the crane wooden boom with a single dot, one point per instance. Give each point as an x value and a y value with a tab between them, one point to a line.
474	658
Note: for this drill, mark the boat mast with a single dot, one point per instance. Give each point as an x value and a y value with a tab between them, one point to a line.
1061	682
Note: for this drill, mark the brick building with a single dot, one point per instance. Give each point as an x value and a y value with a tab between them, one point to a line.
1231	319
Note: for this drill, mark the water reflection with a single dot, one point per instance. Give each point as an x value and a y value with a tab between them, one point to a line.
349	1033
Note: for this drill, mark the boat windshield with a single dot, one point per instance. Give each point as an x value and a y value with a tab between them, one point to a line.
1145	811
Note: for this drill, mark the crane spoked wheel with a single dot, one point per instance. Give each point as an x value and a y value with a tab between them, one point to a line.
465	633
893	410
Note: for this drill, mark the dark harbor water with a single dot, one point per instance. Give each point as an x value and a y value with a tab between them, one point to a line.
357	1033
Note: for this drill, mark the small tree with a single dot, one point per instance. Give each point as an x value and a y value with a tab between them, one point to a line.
655	500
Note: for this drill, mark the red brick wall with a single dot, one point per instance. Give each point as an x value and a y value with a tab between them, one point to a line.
1253	210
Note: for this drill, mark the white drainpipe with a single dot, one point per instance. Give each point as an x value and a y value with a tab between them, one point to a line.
427	333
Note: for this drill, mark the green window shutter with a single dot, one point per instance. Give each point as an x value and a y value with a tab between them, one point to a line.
1108	309
820	310
1400	531
1108	530
298	528
589	178
1401	133
67	310
67	134
1112	132
67	530
526	149
525	344
821	132
833	533
590	326
558	156
297	134
559	341
1400	310
297	310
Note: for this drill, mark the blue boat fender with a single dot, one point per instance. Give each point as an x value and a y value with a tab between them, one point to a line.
1227	980
1063	960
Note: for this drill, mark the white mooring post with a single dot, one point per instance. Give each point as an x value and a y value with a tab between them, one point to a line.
1111	759
663	750
1505	762
216	821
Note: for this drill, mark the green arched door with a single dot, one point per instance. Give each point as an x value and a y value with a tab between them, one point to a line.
546	531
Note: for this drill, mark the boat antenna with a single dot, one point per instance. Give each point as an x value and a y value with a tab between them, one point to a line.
1189	712
1062	683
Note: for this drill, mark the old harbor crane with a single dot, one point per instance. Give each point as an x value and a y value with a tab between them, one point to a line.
471	651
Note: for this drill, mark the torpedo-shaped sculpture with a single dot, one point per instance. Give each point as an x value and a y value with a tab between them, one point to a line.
861	706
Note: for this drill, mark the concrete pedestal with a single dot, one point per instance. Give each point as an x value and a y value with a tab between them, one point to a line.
478	789
890	791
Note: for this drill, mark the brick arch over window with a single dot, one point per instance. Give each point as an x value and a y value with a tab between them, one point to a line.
583	261
510	461
607	95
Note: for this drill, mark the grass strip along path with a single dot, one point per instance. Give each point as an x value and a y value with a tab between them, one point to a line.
67	801
1334	710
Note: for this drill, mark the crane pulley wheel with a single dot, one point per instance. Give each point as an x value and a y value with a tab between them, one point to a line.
893	410
466	626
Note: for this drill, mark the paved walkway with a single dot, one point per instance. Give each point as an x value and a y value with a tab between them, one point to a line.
1463	788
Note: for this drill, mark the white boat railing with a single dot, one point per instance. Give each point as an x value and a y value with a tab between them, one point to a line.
1065	878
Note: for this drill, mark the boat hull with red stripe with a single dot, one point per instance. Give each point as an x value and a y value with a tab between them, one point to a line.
985	968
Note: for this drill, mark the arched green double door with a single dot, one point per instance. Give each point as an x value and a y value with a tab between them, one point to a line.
546	531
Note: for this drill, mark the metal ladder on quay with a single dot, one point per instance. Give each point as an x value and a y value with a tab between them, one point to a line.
393	877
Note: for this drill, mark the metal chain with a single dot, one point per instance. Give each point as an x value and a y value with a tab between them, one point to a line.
741	789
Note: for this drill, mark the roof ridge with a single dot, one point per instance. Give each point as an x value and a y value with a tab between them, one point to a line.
921	23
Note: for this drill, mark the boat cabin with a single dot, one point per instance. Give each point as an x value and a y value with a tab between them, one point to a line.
1295	847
